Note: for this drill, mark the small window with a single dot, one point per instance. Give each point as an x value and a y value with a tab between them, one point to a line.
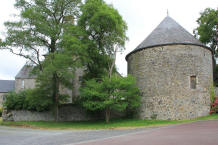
193	82
22	84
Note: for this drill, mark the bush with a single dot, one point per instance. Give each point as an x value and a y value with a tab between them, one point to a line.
212	93
215	74
115	93
1	112
14	101
32	100
214	106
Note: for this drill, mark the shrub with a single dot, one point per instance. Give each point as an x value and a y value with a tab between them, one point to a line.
32	100
115	93
212	93
14	101
214	106
216	75
1	112
37	100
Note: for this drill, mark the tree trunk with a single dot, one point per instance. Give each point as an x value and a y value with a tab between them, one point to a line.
107	112
107	115
113	64
55	96
55	81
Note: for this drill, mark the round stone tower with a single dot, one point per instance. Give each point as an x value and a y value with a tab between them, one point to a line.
174	72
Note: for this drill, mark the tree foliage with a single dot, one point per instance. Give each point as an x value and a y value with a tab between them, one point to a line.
47	26
61	65
115	93
215	76
33	100
106	31
207	31
70	33
39	28
1	110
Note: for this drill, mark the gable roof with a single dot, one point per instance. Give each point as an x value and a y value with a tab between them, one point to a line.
25	73
7	86
168	32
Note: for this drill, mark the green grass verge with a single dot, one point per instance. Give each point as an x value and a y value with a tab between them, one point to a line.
122	123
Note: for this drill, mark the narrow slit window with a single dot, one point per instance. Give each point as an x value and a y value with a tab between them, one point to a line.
193	82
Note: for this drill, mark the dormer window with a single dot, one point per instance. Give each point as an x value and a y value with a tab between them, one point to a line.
22	84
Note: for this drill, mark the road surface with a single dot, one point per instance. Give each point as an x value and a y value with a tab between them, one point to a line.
197	133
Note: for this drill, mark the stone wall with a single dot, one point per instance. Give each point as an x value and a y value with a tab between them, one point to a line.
65	91
73	93
163	76
66	113
1	98
28	84
77	81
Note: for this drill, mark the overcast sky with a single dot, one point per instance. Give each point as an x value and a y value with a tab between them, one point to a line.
142	16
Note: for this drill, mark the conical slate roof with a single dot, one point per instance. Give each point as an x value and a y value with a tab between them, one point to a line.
168	32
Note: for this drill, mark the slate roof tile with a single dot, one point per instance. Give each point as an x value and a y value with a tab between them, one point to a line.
7	86
168	32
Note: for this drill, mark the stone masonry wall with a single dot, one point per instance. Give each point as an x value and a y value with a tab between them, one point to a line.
1	98
28	84
66	113
77	81
73	93
163	76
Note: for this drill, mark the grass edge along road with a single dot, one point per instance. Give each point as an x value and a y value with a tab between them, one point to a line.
114	124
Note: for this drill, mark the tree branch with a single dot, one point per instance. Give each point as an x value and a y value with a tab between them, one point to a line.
22	55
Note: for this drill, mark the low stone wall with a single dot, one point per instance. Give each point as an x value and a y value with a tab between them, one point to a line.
73	113
66	113
23	115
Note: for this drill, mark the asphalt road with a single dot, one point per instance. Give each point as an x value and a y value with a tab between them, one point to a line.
198	133
21	136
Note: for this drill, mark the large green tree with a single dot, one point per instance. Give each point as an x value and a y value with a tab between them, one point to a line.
207	31
106	31
65	30
59	67
111	93
42	28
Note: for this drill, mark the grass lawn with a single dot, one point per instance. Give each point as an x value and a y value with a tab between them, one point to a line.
124	123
